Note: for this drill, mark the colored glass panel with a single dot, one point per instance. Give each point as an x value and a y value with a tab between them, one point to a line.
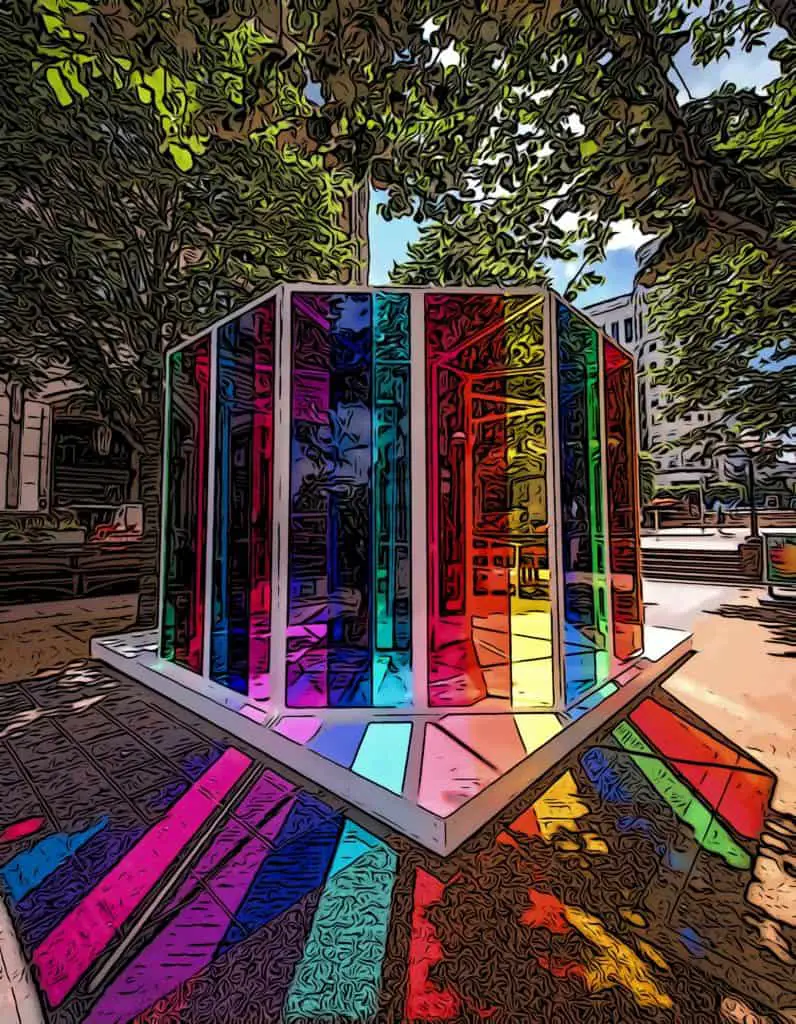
623	503
489	580
185	489
392	684
583	583
240	652
382	754
349	614
329	562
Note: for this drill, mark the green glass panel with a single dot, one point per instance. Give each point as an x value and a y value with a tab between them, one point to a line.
391	501
708	832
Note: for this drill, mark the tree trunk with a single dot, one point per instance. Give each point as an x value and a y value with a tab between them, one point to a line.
753	522
355	223
784	13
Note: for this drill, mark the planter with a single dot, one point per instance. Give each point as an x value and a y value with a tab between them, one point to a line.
76	536
750	555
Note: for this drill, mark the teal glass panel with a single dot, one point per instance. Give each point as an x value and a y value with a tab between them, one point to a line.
583	569
392	684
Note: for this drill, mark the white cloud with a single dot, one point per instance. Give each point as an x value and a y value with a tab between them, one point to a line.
627	236
569	221
448	56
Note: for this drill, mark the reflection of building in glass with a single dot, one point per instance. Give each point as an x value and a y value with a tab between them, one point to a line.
528	502
401	543
626	319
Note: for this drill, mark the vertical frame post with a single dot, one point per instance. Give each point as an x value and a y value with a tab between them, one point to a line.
210	498
636	470
280	526
419	491
602	395
164	498
554	498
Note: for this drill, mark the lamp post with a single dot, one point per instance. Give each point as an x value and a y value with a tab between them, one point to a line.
750	486
751	445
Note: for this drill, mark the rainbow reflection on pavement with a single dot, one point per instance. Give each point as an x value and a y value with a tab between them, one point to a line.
154	873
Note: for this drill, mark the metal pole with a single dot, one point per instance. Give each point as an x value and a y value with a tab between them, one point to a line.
755	532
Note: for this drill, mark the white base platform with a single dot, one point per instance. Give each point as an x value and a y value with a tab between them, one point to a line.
436	777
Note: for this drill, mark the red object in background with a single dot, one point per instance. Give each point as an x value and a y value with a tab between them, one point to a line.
21	829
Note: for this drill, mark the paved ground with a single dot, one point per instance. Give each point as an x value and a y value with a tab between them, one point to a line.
156	870
44	636
742	677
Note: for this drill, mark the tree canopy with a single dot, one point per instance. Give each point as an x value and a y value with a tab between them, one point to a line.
521	130
109	249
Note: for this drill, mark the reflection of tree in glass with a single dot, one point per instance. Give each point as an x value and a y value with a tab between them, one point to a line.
333	485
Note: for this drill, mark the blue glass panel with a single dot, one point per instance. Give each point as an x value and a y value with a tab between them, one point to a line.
330	643
241	629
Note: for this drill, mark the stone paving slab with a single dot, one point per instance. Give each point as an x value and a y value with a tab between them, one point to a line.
156	870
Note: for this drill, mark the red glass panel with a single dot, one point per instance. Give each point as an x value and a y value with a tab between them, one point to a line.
489	603
623	503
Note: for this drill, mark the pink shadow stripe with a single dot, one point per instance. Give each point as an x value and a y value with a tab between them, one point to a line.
189	942
73	945
20	829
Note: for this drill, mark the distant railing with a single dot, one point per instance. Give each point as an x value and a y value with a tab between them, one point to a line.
668	519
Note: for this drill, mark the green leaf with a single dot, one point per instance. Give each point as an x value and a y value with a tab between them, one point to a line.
58	86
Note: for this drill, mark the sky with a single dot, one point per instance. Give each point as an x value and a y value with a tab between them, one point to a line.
389	239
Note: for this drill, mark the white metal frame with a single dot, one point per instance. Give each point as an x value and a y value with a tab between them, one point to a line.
210	513
554	501
419	526
419	501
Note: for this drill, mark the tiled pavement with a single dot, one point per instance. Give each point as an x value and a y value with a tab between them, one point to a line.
156	870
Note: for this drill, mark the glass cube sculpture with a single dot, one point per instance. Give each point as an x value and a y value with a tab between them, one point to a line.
400	544
402	499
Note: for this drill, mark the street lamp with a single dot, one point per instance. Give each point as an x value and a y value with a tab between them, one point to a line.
751	445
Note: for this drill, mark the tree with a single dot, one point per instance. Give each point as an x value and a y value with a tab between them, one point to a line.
109	249
520	129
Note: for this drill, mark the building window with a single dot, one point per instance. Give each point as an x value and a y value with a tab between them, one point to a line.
615	330
701	417
687	417
640	325
653	365
654	403
653	345
628	329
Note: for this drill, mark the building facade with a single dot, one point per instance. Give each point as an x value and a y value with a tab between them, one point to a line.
58	455
626	319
